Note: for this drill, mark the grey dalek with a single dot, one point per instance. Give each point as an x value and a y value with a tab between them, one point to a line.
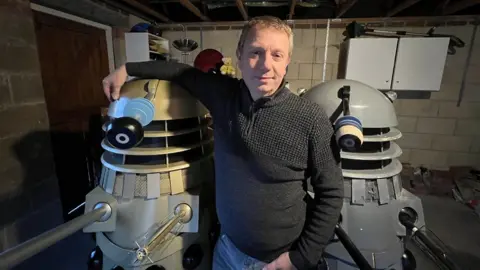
158	156
365	123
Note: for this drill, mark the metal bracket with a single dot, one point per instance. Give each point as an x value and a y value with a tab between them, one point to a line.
99	196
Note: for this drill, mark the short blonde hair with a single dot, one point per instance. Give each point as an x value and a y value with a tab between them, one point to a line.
265	22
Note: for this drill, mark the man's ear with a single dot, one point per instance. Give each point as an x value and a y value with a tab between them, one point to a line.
239	55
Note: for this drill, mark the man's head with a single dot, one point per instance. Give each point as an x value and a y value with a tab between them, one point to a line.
263	53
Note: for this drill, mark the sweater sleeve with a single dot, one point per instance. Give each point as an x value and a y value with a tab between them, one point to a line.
327	182
210	89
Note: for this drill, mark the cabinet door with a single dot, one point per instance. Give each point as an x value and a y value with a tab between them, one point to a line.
420	63
371	60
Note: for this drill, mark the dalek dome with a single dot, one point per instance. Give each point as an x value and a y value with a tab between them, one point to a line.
373	108
168	100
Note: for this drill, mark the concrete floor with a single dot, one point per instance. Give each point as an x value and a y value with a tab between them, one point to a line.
455	224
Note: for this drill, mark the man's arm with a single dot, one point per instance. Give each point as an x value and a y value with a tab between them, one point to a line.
210	89
327	183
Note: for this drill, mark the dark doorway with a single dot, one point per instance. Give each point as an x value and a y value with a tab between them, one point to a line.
74	60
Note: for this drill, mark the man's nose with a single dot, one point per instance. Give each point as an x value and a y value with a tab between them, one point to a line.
267	62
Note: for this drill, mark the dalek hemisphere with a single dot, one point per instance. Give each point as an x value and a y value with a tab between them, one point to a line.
158	157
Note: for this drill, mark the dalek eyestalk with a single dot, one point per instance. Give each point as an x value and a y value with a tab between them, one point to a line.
348	129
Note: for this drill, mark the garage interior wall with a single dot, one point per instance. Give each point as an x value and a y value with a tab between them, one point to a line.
436	133
29	195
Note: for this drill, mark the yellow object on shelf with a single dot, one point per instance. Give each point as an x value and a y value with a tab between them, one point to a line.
227	68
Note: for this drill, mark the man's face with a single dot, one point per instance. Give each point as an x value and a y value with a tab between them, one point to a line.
264	59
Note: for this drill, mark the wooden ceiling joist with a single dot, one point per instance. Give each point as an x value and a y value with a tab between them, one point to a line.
188	5
149	11
404	5
242	9
459	5
292	9
342	8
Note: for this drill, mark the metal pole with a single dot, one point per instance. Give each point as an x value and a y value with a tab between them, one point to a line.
356	255
29	248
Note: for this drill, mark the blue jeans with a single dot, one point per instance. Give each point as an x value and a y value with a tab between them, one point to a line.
227	257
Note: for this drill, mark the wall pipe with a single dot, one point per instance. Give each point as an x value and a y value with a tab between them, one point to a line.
29	248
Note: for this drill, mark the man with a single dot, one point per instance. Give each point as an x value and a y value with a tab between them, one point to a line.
268	141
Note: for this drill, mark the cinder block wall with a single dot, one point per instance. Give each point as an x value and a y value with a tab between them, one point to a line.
27	175
436	133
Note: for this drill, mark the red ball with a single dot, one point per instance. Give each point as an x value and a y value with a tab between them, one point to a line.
208	59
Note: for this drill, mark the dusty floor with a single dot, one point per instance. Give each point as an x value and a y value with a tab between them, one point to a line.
455	224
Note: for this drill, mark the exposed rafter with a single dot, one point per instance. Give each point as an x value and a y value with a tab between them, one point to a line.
242	9
402	6
292	9
342	8
141	7
188	5
457	6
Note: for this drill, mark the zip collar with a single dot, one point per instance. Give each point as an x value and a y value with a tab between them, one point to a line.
268	101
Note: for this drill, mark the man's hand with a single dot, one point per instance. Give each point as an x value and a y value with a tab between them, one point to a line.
281	263
113	82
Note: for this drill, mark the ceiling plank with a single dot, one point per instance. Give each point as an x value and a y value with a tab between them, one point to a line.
292	9
459	5
402	6
342	8
188	5
241	8
148	10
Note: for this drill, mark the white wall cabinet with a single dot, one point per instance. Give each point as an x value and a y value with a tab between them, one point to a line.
407	63
420	63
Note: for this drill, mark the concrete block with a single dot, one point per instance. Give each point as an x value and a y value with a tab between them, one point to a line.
417	107
473	74
297	38
452	143
321	37
305	71
19	58
466	110
303	55
27	88
428	158
5	97
448	92
452	73
415	141
405	157
463	159
307	38
436	126
406	123
318	72
471	93
44	193
27	118
293	71
468	127
12	183
332	54
17	27
475	147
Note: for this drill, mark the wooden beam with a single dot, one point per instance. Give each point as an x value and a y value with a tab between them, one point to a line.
342	8
148	10
292	9
457	6
402	6
241	8
188	5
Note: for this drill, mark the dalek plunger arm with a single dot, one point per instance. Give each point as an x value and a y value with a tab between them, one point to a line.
29	248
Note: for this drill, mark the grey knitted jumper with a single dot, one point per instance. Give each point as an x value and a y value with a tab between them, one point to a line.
264	152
